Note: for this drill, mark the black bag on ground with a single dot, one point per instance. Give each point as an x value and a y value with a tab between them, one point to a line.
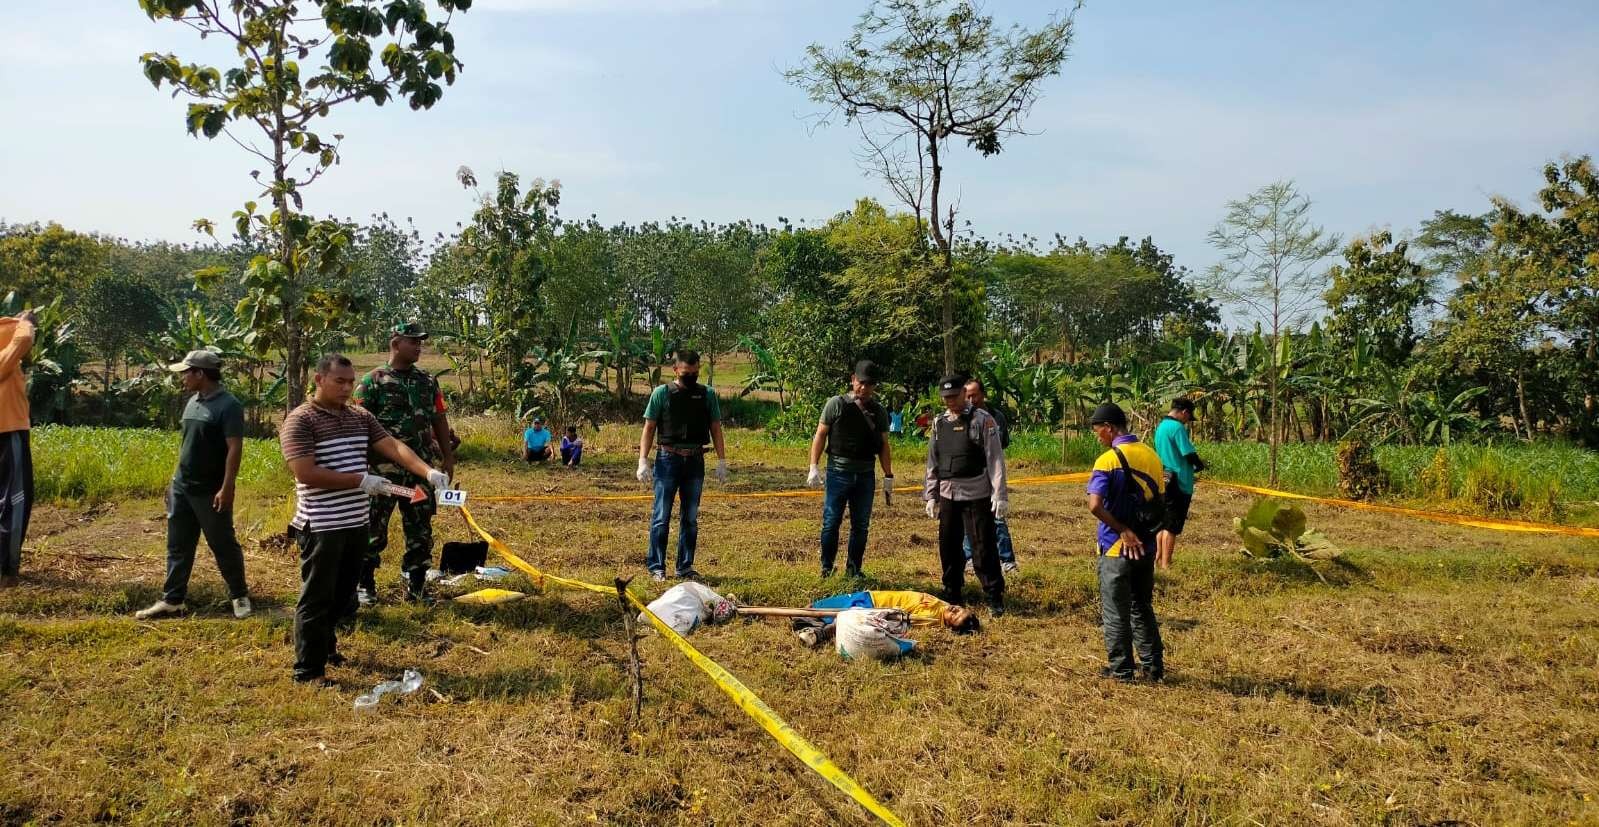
460	558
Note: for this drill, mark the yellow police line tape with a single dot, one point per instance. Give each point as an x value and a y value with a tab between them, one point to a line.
735	689
1492	523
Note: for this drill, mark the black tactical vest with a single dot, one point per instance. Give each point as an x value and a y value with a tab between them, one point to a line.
958	449
854	435
688	415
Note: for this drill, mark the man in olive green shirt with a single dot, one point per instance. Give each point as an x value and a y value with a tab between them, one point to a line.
201	497
854	432
679	420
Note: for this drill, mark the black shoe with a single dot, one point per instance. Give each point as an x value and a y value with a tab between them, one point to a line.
416	586
688	574
319	681
826	573
855	573
1153	675
1108	672
336	659
996	608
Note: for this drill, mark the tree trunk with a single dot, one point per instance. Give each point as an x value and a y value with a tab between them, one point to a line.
1521	400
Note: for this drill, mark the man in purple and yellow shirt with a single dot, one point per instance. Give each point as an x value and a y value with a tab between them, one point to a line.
1124	493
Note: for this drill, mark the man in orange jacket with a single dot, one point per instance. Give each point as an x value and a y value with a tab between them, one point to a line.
16	459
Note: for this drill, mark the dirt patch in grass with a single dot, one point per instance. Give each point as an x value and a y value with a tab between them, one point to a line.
1444	675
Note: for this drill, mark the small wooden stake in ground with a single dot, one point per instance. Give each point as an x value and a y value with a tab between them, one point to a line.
632	643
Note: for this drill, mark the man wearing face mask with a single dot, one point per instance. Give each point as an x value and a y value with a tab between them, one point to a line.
965	490
853	430
679	419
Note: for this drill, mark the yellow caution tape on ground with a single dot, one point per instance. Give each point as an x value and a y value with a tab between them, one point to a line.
1491	523
735	689
1435	516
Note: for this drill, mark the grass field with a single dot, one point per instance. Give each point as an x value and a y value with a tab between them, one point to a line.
1444	675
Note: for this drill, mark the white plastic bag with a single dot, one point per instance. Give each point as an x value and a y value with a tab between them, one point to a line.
873	633
685	606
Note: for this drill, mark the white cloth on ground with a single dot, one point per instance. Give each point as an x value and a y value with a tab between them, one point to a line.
685	606
873	633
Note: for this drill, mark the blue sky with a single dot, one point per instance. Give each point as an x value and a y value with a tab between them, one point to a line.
1382	112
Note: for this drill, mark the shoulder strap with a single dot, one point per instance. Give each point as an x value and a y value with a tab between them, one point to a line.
1127	471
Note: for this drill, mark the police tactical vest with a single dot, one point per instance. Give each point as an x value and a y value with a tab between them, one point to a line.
688	415
958	449
854	435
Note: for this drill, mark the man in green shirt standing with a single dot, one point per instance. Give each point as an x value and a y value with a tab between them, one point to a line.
680	418
853	430
201	496
408	403
1180	460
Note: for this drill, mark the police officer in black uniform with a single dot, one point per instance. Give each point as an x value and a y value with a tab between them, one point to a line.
965	490
854	431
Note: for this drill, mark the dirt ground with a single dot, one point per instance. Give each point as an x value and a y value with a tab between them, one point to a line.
1443	675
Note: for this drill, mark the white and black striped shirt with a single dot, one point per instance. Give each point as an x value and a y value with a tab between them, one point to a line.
339	440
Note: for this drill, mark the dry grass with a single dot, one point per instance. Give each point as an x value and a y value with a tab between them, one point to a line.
1447	674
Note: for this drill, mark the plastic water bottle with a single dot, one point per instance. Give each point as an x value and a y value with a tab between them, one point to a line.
370	700
410	682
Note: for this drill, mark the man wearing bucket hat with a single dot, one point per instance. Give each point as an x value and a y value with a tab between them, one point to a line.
408	403
853	430
1124	494
200	499
965	490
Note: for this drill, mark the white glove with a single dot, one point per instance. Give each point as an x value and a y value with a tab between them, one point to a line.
438	479
645	473
932	509
373	484
721	470
814	478
888	490
1001	508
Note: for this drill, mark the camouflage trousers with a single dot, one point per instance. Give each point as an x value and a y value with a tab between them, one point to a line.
416	521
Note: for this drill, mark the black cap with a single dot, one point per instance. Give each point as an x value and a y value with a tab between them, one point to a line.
951	385
867	372
1109	413
1183	403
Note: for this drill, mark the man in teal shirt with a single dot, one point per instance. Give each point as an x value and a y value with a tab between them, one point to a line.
680	418
1180	460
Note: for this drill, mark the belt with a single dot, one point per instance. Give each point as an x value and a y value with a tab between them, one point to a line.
682	452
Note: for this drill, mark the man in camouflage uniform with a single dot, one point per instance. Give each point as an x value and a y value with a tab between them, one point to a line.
407	401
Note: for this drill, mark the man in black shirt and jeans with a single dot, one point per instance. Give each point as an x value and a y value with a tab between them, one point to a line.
853	430
201	496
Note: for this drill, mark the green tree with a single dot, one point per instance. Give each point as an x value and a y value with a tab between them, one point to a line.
1378	291
1270	269
917	76
268	95
507	248
40	263
118	315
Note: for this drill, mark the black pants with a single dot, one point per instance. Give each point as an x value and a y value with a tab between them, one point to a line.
958	520
330	564
16	497
1127	612
189	515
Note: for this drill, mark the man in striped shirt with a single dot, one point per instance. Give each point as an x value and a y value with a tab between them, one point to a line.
325	442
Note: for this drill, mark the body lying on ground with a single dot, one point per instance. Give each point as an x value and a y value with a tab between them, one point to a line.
919	608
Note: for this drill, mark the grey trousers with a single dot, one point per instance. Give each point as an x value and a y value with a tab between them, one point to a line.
1127	611
188	516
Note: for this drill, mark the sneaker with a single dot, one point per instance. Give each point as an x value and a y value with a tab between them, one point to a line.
365	597
971	568
658	575
855	574
807	637
997	608
242	607
688	574
1107	672
160	608
1152	675
1009	567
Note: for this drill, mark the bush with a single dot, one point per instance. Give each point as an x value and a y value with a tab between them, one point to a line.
1359	476
1494	488
1437	480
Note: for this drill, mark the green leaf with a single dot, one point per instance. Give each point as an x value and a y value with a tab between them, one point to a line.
1315	545
1289	522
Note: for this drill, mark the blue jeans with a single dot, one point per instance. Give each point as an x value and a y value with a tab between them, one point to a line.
1007	552
856	489
676	476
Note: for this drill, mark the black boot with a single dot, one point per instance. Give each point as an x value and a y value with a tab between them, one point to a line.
416	586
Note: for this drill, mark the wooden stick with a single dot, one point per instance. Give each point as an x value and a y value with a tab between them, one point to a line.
778	611
633	661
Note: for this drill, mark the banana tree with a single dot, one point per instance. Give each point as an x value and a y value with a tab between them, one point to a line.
768	373
56	360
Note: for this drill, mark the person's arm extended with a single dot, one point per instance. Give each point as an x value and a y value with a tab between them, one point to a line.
21	342
441	433
230	473
307	472
1132	547
396	452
